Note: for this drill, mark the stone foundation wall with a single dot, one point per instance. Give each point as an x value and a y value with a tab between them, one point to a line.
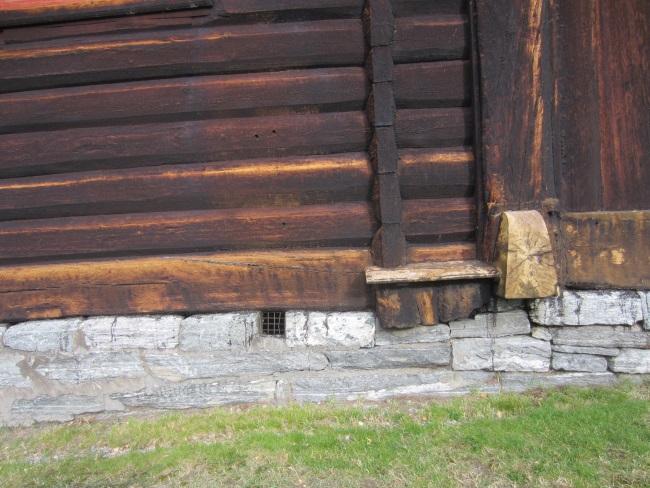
55	370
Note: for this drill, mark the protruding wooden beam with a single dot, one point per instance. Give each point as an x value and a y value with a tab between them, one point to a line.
431	272
525	256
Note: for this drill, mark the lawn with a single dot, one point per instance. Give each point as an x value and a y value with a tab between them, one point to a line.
561	438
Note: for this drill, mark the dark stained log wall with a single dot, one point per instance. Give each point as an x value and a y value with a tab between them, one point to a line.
219	157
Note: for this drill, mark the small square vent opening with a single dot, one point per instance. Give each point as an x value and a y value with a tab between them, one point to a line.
273	323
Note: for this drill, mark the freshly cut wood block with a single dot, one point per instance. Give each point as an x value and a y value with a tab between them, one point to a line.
431	272
525	256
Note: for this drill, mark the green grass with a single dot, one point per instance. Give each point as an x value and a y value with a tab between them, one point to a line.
561	438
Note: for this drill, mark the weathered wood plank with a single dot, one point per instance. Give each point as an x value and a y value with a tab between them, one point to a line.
431	272
342	224
433	219
440	173
205	50
607	249
181	142
17	12
404	8
430	38
323	279
457	251
251	183
438	127
428	85
331	89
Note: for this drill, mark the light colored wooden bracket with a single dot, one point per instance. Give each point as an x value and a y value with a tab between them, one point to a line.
525	256
431	272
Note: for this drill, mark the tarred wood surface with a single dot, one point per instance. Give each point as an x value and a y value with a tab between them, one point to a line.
238	154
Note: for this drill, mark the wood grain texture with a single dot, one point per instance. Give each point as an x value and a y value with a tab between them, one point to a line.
430	38
321	279
603	103
406	8
288	182
432	128
205	50
514	45
431	272
441	173
197	97
341	224
17	12
423	253
428	85
607	249
181	142
427	220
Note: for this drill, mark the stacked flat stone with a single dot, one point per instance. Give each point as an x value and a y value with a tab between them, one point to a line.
54	370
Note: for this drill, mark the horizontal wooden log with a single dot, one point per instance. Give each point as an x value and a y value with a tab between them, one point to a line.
341	224
435	219
431	272
607	249
323	279
205	50
438	127
440	173
111	25
427	85
431	38
457	251
17	12
181	142
403	8
251	183
239	7
198	97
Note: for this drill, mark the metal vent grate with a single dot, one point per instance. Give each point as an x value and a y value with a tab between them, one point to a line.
273	323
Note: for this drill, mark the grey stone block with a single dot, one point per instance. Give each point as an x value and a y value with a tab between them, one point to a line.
503	305
3	328
55	409
542	333
635	361
218	331
578	362
435	333
381	384
11	375
177	367
472	354
396	356
137	332
42	335
492	325
596	351
601	307
525	381
521	354
201	395
601	336
90	367
344	329
645	308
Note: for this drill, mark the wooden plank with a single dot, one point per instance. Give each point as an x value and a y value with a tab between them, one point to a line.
457	251
431	272
330	89
514	45
433	219
439	127
250	183
607	249
17	12
603	104
525	257
323	279
206	50
342	224
181	142
431	38
238	7
440	173
405	8
114	25
428	85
